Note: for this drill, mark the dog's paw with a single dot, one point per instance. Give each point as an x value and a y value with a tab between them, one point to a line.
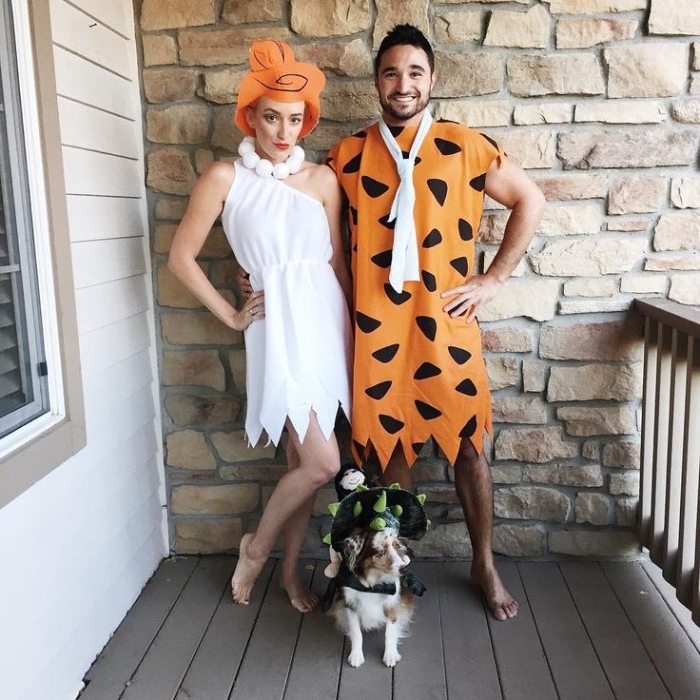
356	658
391	657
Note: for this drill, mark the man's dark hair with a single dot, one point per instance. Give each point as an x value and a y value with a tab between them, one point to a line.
404	35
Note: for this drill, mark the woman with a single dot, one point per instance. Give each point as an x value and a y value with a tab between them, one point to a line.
281	215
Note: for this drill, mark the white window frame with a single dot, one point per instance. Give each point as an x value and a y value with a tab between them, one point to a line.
33	450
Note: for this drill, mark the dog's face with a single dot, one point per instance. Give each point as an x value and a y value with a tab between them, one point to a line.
375	556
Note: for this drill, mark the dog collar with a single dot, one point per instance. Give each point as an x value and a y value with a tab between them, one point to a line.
347	579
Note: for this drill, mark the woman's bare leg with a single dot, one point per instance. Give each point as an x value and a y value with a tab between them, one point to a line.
319	461
300	596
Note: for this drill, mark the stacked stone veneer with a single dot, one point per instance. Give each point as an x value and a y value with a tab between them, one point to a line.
599	100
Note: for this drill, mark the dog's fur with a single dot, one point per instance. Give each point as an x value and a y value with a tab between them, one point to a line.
374	557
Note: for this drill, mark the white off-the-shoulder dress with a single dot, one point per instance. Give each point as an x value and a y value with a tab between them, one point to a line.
298	358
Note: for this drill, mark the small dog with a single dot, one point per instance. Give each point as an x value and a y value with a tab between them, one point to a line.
370	593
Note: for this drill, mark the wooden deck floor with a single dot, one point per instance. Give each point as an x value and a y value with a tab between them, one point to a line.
591	631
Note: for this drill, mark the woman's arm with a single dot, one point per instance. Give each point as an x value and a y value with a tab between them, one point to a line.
205	205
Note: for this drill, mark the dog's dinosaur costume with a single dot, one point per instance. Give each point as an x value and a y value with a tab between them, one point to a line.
376	509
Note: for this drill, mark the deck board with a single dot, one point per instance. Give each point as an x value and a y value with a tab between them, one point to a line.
215	664
470	664
421	671
575	668
168	658
520	658
265	668
627	665
319	653
119	660
665	641
585	630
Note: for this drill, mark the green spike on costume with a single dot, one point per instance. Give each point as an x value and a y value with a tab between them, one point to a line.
377	524
395	485
361	487
333	508
380	505
397	510
421	498
357	509
327	538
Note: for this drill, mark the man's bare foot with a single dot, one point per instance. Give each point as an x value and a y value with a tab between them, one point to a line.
301	597
246	573
501	603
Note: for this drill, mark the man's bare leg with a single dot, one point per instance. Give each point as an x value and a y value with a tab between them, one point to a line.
397	471
475	492
319	461
300	596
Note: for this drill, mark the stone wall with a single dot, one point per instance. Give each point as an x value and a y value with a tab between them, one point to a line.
599	100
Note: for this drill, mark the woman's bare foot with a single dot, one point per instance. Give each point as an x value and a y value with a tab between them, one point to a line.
501	603
301	597
246	573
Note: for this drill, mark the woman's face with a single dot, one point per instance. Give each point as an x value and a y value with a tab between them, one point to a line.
277	126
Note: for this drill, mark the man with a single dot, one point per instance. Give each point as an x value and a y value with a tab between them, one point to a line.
415	189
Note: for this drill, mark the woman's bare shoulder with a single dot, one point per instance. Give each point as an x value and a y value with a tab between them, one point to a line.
219	172
323	177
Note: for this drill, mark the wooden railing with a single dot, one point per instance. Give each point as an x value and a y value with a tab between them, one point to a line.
670	478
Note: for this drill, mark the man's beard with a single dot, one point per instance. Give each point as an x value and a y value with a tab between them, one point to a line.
412	108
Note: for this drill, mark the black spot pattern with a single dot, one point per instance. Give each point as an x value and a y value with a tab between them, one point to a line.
384	221
447	148
417	446
391	425
429	280
466	232
406	154
378	391
478	183
459	355
466	387
396	130
367	324
469	428
439	190
353	214
433	238
353	165
382	259
386	354
461	265
360	134
490	140
428	326
373	187
427	370
397	298
427	411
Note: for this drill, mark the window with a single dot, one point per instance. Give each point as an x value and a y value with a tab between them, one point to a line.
23	368
42	421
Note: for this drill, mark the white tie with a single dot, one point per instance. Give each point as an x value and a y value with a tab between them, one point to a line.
404	255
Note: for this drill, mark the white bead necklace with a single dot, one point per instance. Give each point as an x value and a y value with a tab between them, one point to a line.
264	167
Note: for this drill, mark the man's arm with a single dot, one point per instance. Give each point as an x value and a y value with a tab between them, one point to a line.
508	184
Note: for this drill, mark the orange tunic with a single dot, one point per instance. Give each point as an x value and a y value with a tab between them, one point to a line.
417	373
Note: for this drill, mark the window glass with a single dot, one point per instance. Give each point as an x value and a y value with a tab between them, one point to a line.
23	381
